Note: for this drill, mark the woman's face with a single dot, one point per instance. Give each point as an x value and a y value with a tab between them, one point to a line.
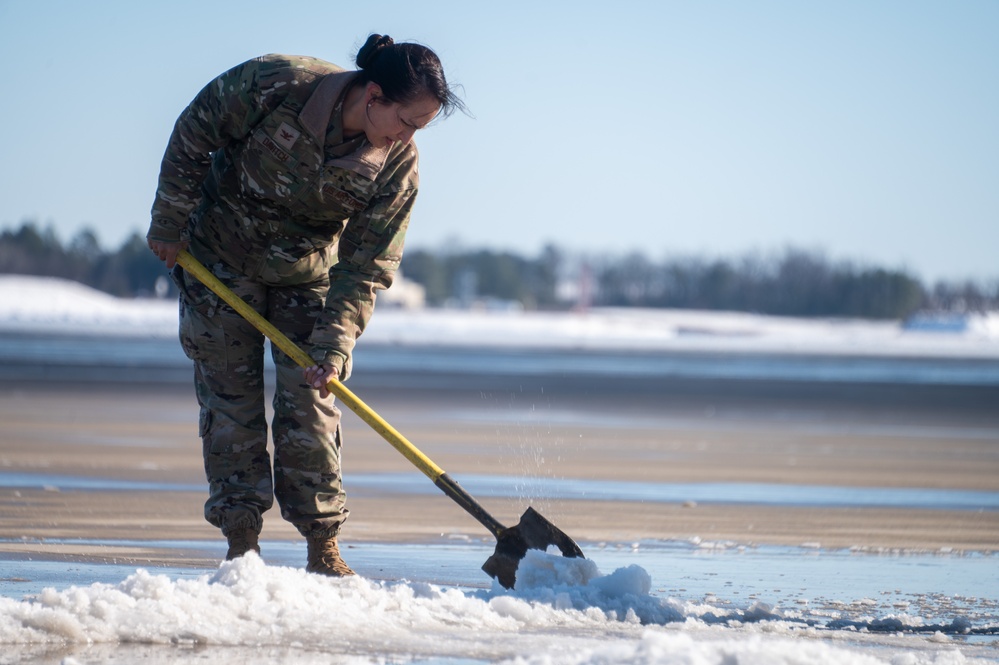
388	122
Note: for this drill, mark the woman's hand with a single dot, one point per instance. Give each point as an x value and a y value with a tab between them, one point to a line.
167	251
318	376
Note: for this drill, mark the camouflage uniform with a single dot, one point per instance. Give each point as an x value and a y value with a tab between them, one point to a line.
306	227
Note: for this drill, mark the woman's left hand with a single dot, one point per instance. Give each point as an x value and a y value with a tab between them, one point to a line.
318	376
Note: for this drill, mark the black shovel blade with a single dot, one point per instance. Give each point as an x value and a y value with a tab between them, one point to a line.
533	532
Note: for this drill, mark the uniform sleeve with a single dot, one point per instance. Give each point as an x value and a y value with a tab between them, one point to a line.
224	111
370	251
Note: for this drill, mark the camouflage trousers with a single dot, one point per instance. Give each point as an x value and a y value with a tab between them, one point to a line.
228	355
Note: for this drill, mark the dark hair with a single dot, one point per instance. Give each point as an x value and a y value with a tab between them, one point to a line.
405	72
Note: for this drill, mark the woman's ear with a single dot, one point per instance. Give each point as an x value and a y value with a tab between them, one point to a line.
372	93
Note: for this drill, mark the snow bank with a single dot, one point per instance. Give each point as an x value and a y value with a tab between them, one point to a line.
563	611
49	305
52	305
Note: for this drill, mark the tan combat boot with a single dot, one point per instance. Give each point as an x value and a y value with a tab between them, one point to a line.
324	558
241	541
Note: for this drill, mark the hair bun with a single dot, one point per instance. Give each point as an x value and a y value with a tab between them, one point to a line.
371	49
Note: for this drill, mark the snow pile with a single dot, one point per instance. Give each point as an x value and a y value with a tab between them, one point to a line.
248	603
562	611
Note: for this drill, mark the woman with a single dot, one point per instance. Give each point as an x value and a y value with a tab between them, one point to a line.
292	180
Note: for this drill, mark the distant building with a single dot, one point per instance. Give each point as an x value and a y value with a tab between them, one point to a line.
404	294
974	323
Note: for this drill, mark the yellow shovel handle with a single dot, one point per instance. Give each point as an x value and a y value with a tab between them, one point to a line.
352	401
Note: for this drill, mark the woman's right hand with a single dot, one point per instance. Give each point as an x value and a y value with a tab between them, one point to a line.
319	376
167	251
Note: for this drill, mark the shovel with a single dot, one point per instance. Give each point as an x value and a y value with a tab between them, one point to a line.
533	532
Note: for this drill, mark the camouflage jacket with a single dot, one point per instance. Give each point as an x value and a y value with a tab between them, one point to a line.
257	170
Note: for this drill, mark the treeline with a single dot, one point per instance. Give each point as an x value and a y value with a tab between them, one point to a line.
792	283
131	270
477	276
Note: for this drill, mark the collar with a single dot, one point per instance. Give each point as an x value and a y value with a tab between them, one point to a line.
315	117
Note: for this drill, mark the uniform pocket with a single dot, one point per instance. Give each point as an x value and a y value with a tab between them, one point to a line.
338	437
267	171
202	335
204	422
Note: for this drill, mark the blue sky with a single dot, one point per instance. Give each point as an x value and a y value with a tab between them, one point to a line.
867	130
